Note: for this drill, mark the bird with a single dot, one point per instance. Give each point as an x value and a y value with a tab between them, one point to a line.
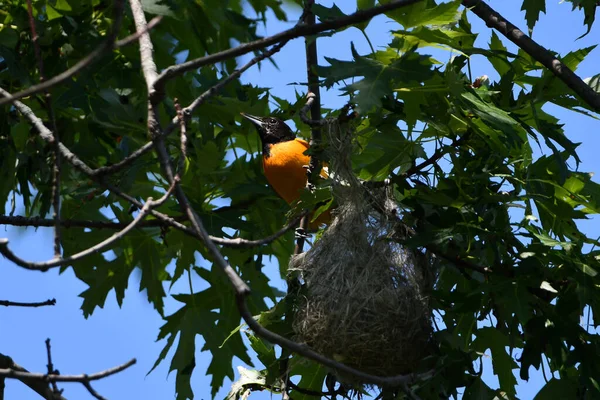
285	161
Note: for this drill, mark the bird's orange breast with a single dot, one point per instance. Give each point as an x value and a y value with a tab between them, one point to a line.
285	170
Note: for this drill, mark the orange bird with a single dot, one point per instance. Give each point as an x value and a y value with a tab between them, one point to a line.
284	161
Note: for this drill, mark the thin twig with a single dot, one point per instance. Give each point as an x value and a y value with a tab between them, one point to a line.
182	137
539	53
8	303
135	36
439	153
50	365
90	389
295	32
14	373
310	98
45	265
80	65
164	221
36	222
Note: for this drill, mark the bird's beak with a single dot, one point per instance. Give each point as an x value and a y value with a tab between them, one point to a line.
255	120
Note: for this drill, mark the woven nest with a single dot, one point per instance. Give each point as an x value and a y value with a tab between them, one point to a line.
364	299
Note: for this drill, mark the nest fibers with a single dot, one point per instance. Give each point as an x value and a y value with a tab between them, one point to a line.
364	300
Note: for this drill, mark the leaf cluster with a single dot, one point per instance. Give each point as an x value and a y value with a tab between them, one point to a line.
481	171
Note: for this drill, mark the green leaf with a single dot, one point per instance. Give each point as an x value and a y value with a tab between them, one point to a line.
364	5
478	390
379	75
52	13
20	134
147	254
8	37
589	12
157	7
312	376
557	389
497	342
63	5
499	61
419	14
532	10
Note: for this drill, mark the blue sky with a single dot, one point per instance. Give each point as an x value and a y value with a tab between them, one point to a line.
112	335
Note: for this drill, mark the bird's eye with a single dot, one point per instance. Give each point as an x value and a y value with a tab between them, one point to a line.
272	120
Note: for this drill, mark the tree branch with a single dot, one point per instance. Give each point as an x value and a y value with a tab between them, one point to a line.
20	373
539	53
45	265
39	386
297	31
165	221
50	365
439	153
8	303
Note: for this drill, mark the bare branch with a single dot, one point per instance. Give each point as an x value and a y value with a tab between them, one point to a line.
15	373
146	47
539	53
50	365
182	137
310	99
165	221
297	31
45	265
39	386
83	63
8	303
439	153
90	389
80	223
135	36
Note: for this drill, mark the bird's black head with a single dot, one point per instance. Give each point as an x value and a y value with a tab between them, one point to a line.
271	130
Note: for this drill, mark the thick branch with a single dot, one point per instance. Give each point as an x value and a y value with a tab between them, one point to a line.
539	53
298	31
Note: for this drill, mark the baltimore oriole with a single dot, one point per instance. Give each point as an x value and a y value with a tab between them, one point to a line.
284	161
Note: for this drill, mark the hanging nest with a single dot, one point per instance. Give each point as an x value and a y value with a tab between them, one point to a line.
364	298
